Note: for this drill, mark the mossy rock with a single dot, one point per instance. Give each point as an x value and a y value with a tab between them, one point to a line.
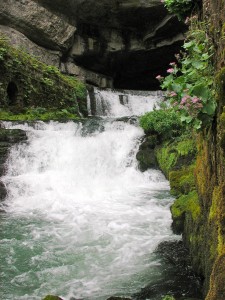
146	159
182	181
222	129
150	142
217	286
175	155
51	297
220	84
11	136
185	204
27	82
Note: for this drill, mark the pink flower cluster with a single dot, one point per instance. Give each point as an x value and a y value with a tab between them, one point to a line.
159	77
171	70
191	104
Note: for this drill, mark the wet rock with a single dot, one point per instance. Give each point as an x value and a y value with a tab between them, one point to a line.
8	137
51	297
11	136
146	159
3	191
146	154
178	278
150	142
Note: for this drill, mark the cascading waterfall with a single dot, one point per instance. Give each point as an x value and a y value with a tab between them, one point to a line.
123	103
80	220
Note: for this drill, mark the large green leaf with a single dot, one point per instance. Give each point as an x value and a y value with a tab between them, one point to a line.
201	91
209	108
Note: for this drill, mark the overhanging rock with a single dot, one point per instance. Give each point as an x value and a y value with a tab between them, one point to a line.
128	41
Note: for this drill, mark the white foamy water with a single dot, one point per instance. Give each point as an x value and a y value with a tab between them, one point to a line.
124	103
81	220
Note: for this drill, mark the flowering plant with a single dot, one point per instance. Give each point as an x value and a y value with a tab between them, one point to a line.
189	83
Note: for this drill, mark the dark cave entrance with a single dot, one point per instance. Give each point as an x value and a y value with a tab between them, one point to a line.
12	92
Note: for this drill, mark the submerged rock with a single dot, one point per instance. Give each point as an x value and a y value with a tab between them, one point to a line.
51	297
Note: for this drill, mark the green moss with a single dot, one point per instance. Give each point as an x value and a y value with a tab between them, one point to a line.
38	84
166	158
222	118
182	181
186	204
51	297
174	155
217	216
38	114
217	195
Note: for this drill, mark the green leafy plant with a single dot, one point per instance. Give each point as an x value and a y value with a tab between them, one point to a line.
182	8
189	84
165	123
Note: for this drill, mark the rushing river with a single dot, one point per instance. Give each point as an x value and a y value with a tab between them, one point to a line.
80	220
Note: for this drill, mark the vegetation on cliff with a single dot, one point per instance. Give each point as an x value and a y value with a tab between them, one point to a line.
196	91
30	89
189	85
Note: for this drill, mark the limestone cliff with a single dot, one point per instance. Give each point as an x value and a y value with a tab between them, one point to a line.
120	43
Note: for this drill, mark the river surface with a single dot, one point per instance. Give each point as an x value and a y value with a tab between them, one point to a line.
80	220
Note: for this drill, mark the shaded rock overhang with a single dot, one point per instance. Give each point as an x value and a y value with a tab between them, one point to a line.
127	42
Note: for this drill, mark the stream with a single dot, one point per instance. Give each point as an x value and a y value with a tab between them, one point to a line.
80	220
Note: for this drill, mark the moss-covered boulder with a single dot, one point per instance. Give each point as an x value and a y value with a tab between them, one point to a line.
185	204
177	161
51	297
182	181
174	155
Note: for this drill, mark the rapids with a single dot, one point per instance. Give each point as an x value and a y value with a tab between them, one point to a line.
80	220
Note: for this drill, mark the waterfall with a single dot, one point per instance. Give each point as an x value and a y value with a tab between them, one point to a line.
80	219
122	103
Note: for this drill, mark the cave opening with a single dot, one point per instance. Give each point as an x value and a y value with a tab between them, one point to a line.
12	92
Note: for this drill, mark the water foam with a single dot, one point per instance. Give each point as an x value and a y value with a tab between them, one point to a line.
81	220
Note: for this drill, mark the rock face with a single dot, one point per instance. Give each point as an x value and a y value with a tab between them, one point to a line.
201	212
37	23
205	236
120	43
8	137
